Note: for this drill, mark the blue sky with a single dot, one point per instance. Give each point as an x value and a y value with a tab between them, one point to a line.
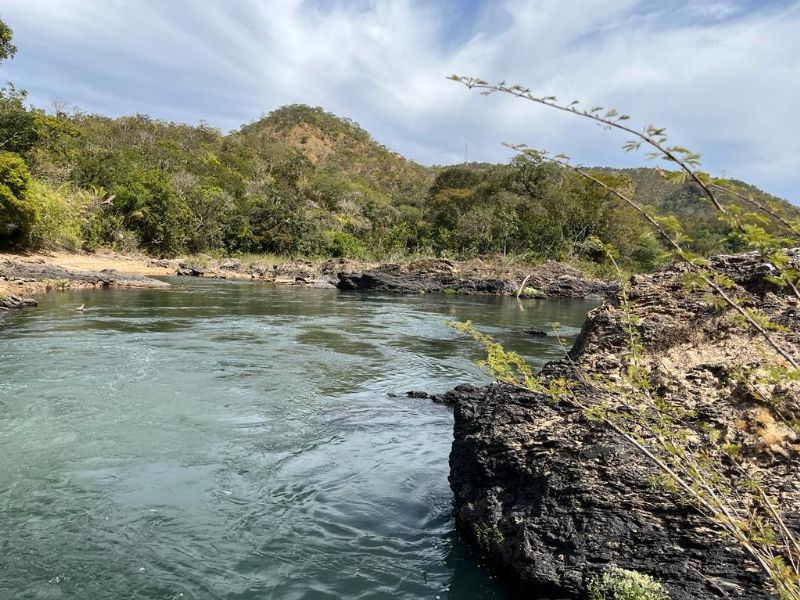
723	76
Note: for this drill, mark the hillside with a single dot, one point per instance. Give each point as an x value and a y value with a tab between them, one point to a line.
652	189
302	181
338	145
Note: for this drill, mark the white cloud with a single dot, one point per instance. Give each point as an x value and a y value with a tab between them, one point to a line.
722	76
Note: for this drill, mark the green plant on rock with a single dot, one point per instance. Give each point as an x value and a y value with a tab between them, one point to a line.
623	584
488	537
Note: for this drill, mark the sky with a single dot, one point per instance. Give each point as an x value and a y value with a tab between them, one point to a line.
723	76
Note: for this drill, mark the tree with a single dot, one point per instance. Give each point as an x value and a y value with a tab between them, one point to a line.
17	122
7	49
153	211
17	213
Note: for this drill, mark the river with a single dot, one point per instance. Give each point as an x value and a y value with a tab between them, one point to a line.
236	440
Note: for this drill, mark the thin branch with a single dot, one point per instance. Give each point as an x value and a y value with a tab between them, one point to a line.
762	207
663	233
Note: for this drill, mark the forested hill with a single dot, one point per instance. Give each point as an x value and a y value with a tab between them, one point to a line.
303	181
338	145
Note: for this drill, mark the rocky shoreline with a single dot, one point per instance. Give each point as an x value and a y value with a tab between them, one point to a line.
435	275
551	497
22	278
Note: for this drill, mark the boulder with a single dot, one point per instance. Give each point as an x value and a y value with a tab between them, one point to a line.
552	497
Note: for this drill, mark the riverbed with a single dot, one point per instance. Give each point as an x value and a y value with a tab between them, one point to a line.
238	440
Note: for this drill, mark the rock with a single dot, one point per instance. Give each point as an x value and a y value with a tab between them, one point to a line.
161	263
535	332
566	498
335	266
189	270
25	271
432	265
324	284
230	265
258	270
294	268
418	394
442	276
551	497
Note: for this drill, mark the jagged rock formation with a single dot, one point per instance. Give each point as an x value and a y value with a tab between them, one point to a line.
553	497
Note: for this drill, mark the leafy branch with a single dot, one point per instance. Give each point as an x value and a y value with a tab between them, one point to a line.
652	136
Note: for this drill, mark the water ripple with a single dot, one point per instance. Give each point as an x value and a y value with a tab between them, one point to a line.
237	441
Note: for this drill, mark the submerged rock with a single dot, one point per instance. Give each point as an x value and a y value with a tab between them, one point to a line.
13	301
551	497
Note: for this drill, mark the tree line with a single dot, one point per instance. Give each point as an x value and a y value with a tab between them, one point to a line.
299	181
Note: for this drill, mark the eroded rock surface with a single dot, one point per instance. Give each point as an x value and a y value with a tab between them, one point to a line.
21	272
551	279
552	497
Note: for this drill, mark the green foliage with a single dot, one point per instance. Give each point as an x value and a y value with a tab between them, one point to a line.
343	244
17	212
488	537
622	584
57	223
304	181
17	122
7	49
153	211
687	451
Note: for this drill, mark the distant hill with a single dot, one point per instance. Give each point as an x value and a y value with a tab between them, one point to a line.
339	145
652	189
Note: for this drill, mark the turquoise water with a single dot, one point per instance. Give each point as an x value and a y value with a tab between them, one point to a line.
237	440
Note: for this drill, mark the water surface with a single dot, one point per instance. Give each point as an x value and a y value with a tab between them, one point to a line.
237	440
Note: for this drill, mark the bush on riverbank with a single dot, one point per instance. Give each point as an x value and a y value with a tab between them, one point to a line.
17	212
58	223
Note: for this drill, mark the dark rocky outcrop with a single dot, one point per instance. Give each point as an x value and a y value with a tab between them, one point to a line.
188	270
428	275
552	497
14	302
443	276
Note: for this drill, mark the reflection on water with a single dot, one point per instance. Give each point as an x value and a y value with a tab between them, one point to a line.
237	440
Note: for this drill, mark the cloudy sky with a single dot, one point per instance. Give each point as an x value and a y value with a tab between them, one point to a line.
722	75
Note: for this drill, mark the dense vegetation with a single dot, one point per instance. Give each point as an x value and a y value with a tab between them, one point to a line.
302	181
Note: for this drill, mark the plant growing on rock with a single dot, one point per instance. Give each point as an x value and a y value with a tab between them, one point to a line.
622	584
690	454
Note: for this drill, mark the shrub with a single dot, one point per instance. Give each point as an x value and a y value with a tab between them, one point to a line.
343	244
621	584
17	213
57	222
